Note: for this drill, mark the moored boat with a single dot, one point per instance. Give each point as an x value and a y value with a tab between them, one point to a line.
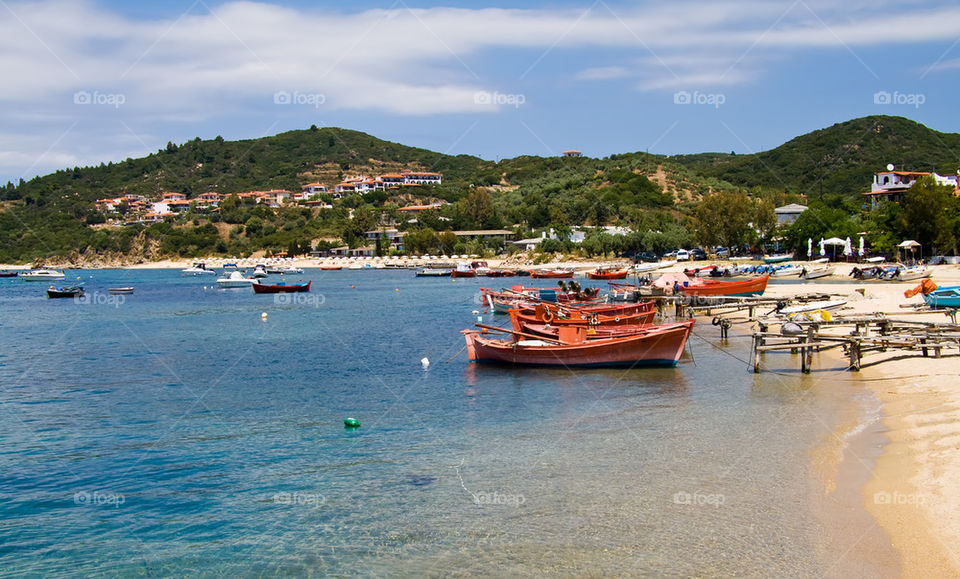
464	270
234	280
9	273
779	258
198	268
816	272
433	272
260	272
280	287
74	291
654	346
604	273
42	275
120	290
551	273
708	287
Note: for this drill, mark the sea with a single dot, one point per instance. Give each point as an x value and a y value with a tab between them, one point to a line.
190	430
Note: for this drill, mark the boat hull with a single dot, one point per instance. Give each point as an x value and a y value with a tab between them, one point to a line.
260	288
551	274
64	292
944	297
736	288
660	347
604	275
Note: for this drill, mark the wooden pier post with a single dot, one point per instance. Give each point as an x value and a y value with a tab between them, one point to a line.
854	348
757	342
808	352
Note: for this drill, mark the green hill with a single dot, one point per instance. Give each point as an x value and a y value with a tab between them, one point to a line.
54	216
840	159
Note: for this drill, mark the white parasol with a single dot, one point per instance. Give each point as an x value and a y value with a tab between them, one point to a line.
809	247
847	247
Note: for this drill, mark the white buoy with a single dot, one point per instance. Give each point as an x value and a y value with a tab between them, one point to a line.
263	316
425	362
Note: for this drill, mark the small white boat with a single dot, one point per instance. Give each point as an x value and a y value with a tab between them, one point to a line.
788	270
912	273
816	272
291	270
641	267
198	269
260	272
120	290
235	279
42	275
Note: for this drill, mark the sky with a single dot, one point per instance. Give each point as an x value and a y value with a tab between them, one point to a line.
86	82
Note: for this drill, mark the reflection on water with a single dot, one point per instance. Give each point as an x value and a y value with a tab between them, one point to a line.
224	436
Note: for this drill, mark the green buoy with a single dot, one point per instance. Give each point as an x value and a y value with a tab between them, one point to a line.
351	423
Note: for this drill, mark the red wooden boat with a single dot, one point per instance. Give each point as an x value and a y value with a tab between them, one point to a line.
654	346
501	273
587	310
710	287
280	288
551	273
330	267
543	316
601	274
458	272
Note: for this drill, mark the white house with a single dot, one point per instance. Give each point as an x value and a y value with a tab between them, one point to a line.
789	213
890	185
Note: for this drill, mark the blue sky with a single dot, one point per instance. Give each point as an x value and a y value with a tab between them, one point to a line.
102	81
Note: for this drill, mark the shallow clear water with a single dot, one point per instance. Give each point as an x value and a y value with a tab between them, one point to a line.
178	433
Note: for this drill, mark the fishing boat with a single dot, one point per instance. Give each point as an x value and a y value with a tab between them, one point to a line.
464	270
936	296
652	346
433	272
280	287
709	287
638	315
42	275
944	297
786	270
73	291
816	272
234	280
120	290
605	273
291	270
198	268
501	273
330	267
9	273
551	273
779	258
911	273
260	272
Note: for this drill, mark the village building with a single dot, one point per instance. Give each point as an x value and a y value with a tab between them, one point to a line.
789	213
890	185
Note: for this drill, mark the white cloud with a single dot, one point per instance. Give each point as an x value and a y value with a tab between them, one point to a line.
235	58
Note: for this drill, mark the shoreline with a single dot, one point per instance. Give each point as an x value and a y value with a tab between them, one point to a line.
903	466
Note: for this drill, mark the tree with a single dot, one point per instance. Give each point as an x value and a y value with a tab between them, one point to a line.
930	214
723	219
476	209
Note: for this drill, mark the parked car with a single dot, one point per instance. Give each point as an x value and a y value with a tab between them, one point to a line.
647	256
670	254
722	253
697	254
683	255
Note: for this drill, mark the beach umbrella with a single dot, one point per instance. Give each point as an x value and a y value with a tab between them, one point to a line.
847	247
821	246
861	245
810	246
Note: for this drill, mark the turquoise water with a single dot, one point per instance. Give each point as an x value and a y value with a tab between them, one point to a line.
175	432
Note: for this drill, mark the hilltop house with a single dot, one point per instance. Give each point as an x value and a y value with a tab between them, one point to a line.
890	185
572	153
789	213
